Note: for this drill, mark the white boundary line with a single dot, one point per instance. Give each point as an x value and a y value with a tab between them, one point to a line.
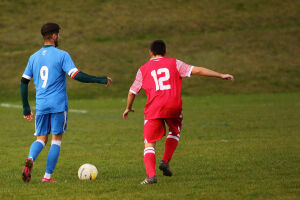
7	105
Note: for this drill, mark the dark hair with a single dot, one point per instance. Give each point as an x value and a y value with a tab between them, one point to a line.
48	29
158	47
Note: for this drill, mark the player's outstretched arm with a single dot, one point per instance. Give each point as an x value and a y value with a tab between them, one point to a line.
130	100
24	95
85	78
201	71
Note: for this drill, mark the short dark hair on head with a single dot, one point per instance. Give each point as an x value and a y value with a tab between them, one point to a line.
158	47
48	29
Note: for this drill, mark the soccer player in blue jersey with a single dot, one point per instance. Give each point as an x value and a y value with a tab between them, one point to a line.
48	67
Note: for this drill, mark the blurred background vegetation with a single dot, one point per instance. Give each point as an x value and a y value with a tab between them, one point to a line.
258	41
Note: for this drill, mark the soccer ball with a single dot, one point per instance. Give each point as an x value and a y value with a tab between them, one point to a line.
87	172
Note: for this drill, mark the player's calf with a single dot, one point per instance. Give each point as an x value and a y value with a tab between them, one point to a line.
150	160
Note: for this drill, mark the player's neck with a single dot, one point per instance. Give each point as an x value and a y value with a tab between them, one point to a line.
156	56
47	43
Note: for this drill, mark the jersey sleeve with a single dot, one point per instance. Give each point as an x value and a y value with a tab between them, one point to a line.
68	66
185	70
137	84
28	74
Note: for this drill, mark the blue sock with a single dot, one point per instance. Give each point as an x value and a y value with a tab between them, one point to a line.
35	149
53	156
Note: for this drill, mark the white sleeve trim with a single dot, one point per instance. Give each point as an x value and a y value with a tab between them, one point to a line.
132	92
72	71
190	72
25	76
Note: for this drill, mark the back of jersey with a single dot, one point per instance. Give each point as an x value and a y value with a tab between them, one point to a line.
161	78
48	67
162	84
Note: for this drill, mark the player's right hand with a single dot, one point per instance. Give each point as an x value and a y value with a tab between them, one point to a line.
109	80
29	117
126	112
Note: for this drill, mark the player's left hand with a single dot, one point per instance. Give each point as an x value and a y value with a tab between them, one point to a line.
227	77
126	112
29	117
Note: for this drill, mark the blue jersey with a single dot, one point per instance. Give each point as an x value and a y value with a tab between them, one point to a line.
48	68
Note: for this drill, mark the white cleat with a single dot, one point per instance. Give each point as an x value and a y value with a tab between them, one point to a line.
149	180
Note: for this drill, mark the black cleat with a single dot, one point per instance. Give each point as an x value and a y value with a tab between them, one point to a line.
149	180
26	174
165	168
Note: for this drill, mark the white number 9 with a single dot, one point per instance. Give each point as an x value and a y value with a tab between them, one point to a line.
44	75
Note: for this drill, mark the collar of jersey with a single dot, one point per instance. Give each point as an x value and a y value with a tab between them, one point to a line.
156	58
45	46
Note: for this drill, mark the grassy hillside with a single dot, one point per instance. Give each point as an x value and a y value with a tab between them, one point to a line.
257	41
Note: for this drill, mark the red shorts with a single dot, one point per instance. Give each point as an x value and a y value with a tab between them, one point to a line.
155	129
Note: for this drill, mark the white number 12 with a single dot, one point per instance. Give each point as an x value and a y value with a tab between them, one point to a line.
44	75
159	83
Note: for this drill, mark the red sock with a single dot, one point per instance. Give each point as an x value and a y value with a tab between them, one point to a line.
150	160
170	146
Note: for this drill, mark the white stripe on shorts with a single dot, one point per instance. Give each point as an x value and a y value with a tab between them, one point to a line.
35	126
65	122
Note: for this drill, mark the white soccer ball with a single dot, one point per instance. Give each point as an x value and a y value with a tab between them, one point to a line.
87	172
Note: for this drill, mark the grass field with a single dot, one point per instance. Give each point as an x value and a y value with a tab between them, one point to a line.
231	147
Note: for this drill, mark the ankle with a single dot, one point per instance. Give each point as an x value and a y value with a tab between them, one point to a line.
47	175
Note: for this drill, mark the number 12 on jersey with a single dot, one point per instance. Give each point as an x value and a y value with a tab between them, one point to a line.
159	83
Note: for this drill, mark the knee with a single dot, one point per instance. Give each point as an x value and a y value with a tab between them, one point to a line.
150	145
43	139
57	137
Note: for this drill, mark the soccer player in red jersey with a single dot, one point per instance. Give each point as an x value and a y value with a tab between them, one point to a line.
161	78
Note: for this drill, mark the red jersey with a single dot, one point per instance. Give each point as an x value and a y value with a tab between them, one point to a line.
161	78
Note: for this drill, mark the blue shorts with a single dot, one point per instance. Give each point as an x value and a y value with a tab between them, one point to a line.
56	123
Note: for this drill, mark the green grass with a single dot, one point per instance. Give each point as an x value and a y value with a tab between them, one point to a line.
231	147
254	40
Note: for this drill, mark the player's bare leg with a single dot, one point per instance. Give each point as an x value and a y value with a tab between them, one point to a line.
35	149
150	160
